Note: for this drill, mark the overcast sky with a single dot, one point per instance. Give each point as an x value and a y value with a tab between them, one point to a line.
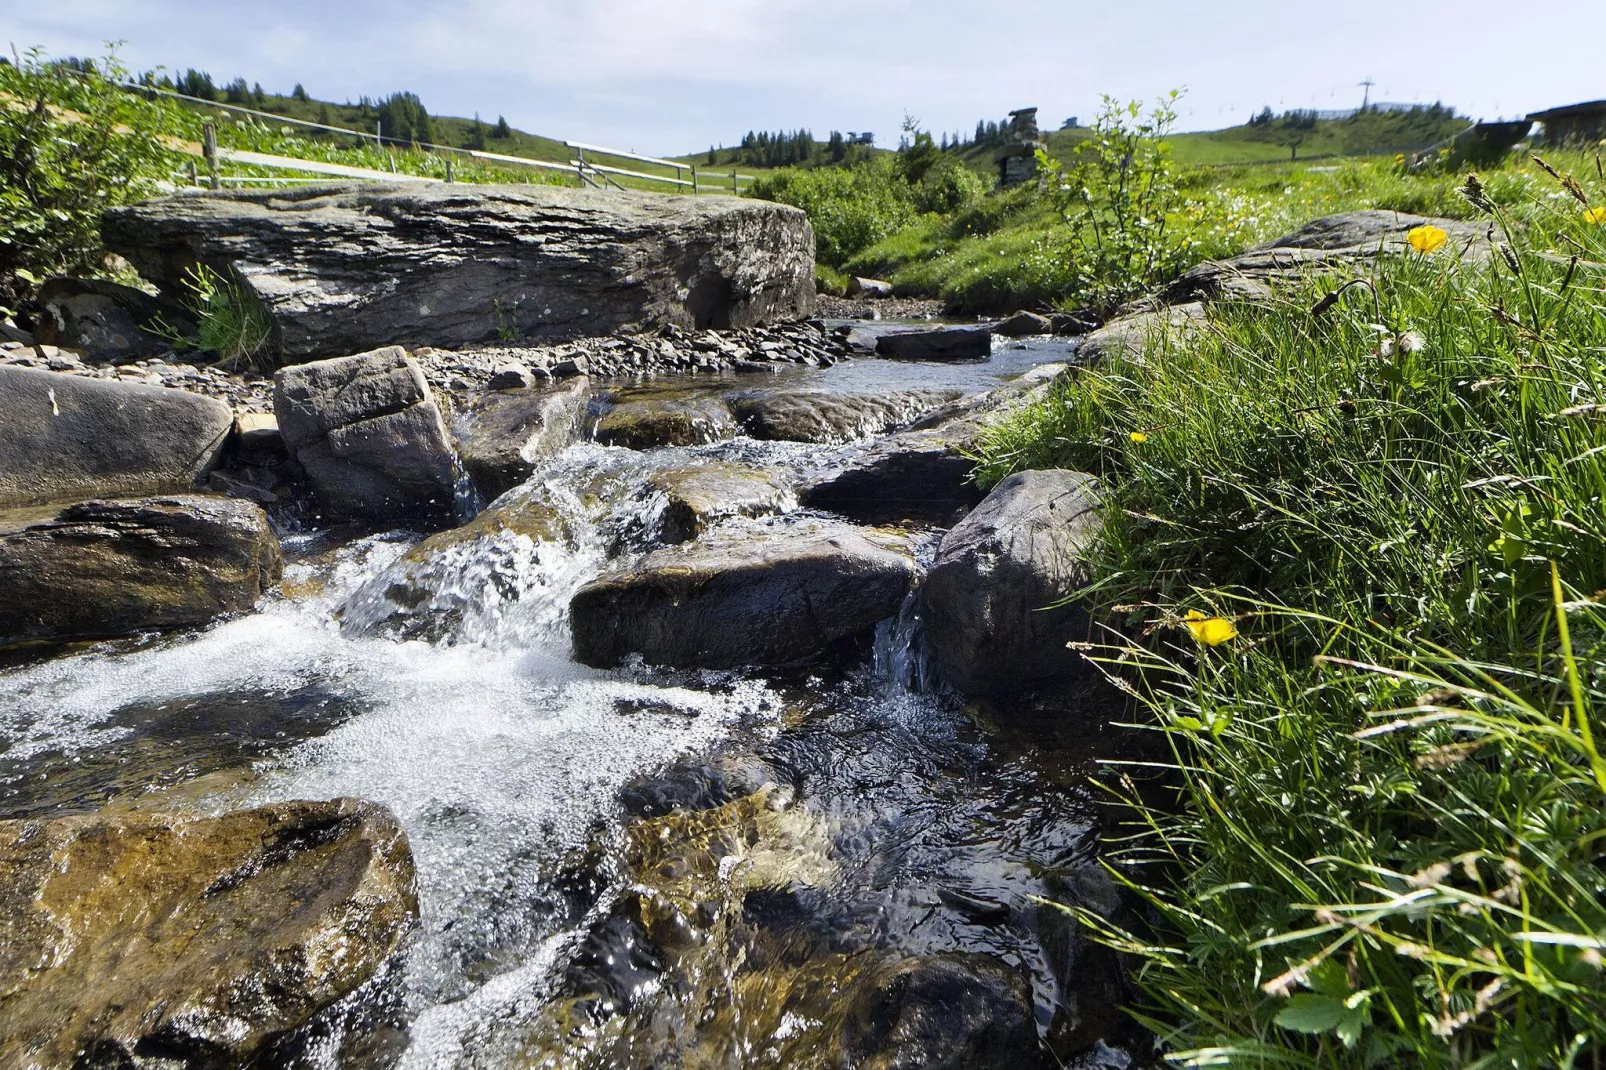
672	76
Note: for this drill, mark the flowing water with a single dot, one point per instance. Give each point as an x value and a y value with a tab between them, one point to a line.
570	916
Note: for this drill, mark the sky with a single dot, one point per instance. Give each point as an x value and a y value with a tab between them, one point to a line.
675	76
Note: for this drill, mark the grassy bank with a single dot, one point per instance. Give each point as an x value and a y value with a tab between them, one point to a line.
1385	521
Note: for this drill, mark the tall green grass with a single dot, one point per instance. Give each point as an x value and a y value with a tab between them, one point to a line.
1385	845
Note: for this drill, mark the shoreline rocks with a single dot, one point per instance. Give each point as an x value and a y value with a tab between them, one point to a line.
997	607
344	268
943	343
370	437
67	437
137	937
102	569
500	440
743	594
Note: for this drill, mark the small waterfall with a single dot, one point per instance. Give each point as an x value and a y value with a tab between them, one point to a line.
901	662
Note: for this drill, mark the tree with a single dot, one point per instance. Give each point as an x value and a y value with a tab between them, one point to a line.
476	134
503	132
197	84
837	147
713	157
323	114
298	93
259	99
402	117
237	92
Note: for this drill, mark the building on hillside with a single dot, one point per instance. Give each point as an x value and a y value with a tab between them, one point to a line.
1017	161
1574	124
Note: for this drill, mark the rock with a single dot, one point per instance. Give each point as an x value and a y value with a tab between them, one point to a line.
369	434
511	377
644	424
799	416
1320	245
742	594
1025	324
568	368
347	268
944	343
106	321
923	474
697	498
257	439
862	287
501	440
108	568
1130	337
66	437
1070	323
146	940
943	1012
990	630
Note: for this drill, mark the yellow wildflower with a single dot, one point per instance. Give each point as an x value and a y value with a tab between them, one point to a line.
1426	238
1596	215
1138	436
1211	631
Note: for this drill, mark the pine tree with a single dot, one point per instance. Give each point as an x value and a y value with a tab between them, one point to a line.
259	99
713	157
299	94
323	114
503	132
476	134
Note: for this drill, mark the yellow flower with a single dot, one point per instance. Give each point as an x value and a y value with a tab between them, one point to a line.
1211	631
1595	215
1426	238
1138	436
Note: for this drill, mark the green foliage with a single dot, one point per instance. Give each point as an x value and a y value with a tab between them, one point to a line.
851	209
402	117
1392	798
72	145
230	322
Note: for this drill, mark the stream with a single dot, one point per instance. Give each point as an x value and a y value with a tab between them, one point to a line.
627	868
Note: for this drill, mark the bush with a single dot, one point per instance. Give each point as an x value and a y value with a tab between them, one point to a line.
851	209
948	186
72	144
1393	798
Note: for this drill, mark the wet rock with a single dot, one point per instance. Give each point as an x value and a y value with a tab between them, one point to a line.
923	474
645	424
105	321
144	940
108	568
989	627
347	268
501	440
1131	336
943	1012
66	437
1320	245
1024	325
257	439
944	343
862	287
1071	323
695	784
368	433
796	416
743	594
699	497
514	377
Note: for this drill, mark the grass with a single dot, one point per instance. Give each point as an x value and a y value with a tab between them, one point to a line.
1384	846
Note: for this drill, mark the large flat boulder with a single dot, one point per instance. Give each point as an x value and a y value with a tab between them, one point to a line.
66	437
645	423
938	344
345	268
370	436
820	416
1320	245
502	438
107	568
743	594
698	497
997	606
140	940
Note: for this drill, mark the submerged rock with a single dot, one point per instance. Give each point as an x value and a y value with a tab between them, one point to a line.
650	422
368	433
109	568
743	594
943	343
501	439
141	940
346	268
996	612
699	497
943	1012
1320	245
67	437
798	416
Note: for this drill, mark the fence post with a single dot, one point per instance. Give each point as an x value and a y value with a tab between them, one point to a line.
735	190
195	174
451	175
209	150
694	190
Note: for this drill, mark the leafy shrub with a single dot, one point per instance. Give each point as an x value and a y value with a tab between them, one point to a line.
851	209
948	186
72	144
